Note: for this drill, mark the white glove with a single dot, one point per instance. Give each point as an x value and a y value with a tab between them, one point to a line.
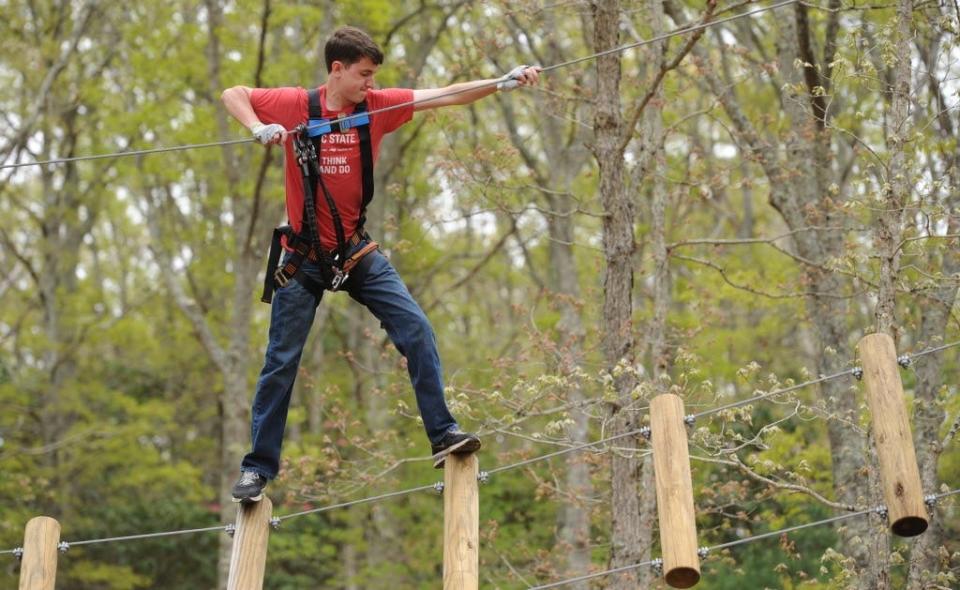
266	133
511	79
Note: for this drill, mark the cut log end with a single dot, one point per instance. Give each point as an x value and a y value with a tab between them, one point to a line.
682	577
909	526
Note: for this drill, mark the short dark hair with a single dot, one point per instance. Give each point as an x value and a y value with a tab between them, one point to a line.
349	45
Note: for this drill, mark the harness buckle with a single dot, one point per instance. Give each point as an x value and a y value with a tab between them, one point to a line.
281	278
339	278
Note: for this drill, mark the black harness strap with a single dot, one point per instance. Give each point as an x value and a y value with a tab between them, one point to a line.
307	243
366	167
366	154
315	113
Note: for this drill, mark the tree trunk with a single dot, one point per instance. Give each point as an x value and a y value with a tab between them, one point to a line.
249	240
618	338
801	173
555	171
652	158
929	395
574	519
898	176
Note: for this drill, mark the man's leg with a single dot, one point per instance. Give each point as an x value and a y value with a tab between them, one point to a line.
291	317
385	295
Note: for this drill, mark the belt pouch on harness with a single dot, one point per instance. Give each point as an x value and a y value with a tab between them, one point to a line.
279	275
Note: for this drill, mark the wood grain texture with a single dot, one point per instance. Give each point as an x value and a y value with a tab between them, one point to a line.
38	570
671	463
248	560
461	528
899	474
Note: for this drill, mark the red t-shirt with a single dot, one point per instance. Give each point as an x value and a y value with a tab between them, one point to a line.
340	153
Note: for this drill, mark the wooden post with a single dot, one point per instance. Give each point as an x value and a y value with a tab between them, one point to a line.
38	570
248	560
902	489
671	463
461	530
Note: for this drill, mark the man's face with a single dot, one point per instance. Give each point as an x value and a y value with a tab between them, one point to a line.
354	80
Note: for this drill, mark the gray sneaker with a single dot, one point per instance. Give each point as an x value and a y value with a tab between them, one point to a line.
249	488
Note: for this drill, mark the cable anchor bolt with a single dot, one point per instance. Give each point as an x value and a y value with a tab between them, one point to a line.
657	566
438	488
690	420
904	361
275	522
483	477
646	433
703	552
931	501
882	512
63	547
858	373
18	553
230	529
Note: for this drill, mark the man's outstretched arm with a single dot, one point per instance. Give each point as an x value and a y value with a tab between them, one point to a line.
467	92
237	102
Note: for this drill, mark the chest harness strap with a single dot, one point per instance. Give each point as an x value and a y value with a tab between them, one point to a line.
335	266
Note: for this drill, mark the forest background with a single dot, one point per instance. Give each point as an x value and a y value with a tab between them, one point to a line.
717	214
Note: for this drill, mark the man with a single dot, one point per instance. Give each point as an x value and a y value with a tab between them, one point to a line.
326	246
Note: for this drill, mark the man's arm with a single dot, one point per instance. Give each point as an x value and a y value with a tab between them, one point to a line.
467	92
237	102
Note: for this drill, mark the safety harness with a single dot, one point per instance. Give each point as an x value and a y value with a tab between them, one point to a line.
334	266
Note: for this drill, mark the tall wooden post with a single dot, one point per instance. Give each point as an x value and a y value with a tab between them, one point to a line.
461	527
38	570
248	561
671	463
899	474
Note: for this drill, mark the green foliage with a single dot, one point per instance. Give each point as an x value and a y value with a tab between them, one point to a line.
113	402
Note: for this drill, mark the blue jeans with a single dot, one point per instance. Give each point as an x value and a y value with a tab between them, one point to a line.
291	317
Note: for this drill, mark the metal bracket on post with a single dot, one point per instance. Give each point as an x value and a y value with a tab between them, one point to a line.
657	566
882	512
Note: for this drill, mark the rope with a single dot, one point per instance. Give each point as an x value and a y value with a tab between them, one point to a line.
491	472
356	502
522	463
762	396
933	350
624	568
729	544
148	536
665	36
620	49
433	486
131	153
851	371
571	449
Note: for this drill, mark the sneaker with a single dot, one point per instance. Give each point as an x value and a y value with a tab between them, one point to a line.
249	488
467	441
